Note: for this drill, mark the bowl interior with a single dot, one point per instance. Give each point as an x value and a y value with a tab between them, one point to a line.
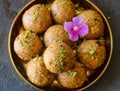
17	23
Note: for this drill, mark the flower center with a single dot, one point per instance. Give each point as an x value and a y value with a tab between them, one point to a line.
75	28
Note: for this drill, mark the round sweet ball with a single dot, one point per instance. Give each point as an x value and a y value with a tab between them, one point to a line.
38	74
62	10
58	57
37	18
56	33
91	53
95	23
74	77
27	45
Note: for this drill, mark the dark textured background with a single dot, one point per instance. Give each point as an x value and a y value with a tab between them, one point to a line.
10	80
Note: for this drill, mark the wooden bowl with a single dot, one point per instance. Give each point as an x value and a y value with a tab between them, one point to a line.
17	23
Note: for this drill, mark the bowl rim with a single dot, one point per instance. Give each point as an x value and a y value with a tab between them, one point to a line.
83	88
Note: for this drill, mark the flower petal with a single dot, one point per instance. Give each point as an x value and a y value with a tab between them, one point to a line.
83	30
73	36
68	26
77	20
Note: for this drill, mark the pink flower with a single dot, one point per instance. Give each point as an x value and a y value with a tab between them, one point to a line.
76	28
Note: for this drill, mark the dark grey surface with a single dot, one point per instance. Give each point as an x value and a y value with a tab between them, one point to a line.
10	80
